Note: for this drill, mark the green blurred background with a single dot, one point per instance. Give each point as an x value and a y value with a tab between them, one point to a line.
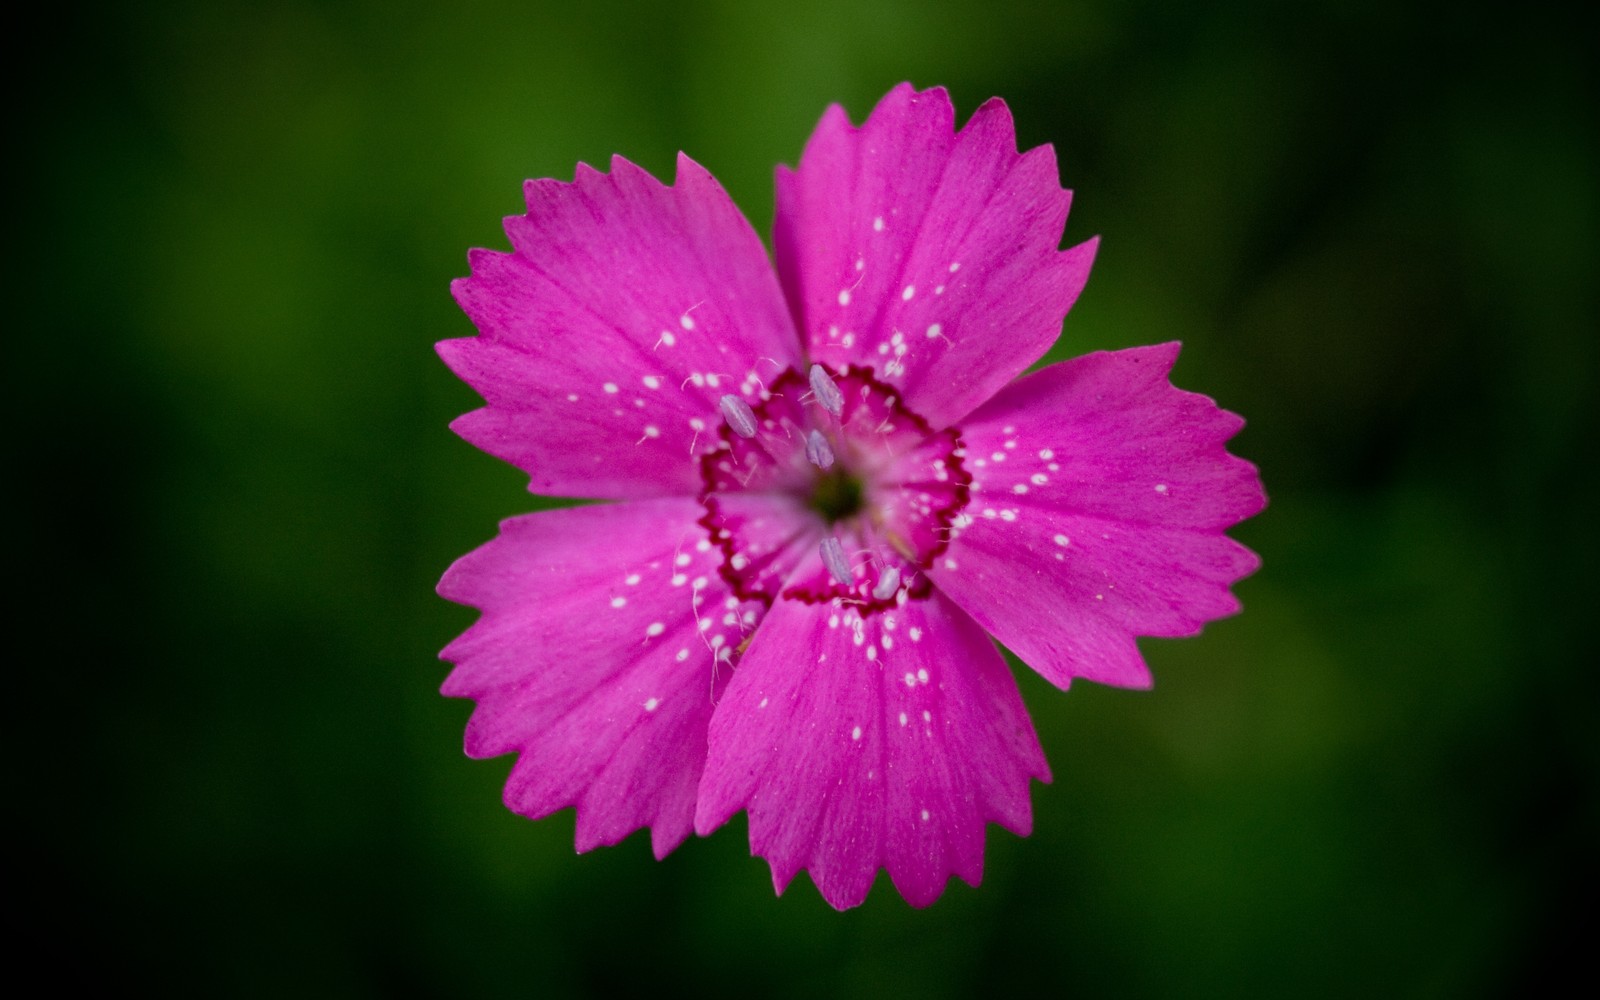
1374	229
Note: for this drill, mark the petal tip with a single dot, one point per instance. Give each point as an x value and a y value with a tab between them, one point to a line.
709	814
663	842
996	114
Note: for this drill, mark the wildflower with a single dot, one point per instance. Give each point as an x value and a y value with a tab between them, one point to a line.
831	490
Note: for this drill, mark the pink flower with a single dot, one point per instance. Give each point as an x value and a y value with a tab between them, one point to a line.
831	489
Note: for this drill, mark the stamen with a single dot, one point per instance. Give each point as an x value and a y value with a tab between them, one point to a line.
827	393
888	583
739	416
818	450
838	566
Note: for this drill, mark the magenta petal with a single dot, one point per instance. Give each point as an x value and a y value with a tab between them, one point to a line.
854	746
588	662
1100	495
607	336
928	255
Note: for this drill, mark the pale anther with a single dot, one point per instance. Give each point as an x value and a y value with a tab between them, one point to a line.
888	583
833	557
828	395
818	450
739	416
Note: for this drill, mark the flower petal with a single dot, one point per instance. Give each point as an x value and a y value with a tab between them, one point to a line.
856	745
624	312
590	663
1100	493
926	254
763	537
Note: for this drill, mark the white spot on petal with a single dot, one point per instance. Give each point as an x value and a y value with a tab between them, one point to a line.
656	628
650	706
617	602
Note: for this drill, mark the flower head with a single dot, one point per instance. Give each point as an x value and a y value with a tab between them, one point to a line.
832	493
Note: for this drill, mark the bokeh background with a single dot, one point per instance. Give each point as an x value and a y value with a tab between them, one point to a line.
1374	228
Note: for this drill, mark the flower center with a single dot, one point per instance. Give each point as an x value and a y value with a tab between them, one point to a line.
837	495
826	487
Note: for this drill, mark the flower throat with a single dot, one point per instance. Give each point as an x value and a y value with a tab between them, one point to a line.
825	487
837	496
